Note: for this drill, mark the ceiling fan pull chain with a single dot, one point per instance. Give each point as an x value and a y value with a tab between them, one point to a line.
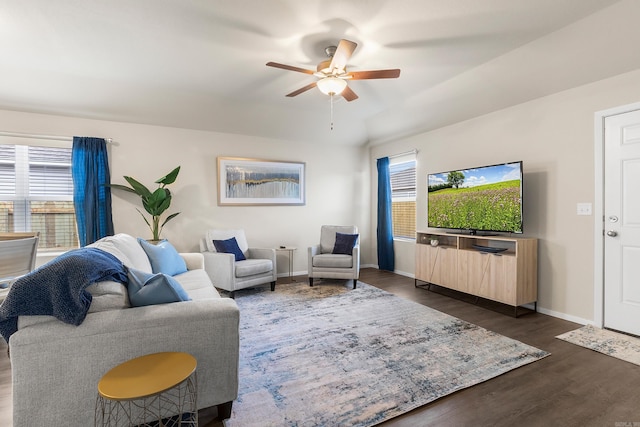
331	101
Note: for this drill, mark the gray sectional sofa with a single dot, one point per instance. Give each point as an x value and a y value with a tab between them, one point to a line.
56	366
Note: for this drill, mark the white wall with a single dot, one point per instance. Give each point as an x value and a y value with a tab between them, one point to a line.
337	185
554	136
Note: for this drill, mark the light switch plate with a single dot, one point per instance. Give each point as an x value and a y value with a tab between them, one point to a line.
584	209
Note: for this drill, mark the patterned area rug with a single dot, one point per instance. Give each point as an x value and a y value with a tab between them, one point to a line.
331	355
607	342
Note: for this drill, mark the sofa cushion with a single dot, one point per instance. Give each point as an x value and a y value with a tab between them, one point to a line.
344	243
229	246
108	295
127	249
163	257
250	267
333	261
25	321
197	284
149	289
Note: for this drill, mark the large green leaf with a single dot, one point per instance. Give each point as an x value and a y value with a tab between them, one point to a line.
169	178
170	217
121	187
138	187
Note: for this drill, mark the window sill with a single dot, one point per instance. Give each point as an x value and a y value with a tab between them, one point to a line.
51	254
404	239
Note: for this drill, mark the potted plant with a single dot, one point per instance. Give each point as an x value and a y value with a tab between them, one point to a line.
154	202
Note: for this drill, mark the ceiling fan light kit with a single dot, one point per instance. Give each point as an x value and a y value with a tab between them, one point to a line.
331	85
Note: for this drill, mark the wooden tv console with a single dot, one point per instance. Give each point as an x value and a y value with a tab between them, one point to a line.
473	265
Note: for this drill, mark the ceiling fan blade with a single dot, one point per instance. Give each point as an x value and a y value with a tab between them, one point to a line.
289	67
348	94
343	53
376	74
302	89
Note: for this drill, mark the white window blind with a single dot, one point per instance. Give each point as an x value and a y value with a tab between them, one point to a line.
7	170
36	194
50	173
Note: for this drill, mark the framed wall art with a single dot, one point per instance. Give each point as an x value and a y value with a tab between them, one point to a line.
260	182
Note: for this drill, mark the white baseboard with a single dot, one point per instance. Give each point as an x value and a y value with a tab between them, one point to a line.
564	316
405	274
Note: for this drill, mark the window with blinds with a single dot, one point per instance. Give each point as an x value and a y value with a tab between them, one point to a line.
36	194
403	198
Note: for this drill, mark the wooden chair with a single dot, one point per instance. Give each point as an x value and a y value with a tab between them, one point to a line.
17	257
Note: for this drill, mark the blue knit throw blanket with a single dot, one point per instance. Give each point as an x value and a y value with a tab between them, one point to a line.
58	288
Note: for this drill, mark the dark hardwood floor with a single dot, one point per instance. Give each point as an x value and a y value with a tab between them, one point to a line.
572	387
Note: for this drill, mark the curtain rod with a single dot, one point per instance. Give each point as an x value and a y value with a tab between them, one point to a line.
414	151
49	137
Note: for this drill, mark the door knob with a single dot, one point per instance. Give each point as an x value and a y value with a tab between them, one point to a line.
612	233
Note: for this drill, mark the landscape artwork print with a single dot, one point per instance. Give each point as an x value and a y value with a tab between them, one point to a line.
260	182
485	199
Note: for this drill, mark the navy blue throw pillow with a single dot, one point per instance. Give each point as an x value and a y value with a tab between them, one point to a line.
229	246
344	243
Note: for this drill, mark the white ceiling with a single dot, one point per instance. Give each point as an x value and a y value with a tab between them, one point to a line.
201	64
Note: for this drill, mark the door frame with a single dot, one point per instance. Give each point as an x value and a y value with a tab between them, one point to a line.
598	209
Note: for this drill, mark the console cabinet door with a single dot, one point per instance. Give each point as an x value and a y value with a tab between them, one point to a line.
423	264
472	267
437	265
499	281
447	267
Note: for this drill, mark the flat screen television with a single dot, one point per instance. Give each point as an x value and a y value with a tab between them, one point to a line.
481	199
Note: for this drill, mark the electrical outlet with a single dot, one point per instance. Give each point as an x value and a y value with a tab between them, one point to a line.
584	209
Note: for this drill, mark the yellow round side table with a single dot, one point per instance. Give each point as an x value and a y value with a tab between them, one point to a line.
158	389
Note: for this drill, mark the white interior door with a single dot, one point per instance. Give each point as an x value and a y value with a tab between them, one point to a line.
622	222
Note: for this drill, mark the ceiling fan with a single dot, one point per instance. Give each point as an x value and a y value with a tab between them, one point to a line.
333	74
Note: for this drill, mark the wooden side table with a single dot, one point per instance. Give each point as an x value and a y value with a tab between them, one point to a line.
158	389
290	250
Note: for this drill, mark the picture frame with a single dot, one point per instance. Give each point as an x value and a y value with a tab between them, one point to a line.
243	181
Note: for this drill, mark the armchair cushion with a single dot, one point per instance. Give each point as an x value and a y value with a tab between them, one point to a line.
333	261
344	243
250	267
163	257
229	246
150	289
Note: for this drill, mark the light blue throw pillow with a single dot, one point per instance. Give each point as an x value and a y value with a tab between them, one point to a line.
149	289
163	257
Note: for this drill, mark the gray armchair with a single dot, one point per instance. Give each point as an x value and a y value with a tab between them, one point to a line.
323	263
226	273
